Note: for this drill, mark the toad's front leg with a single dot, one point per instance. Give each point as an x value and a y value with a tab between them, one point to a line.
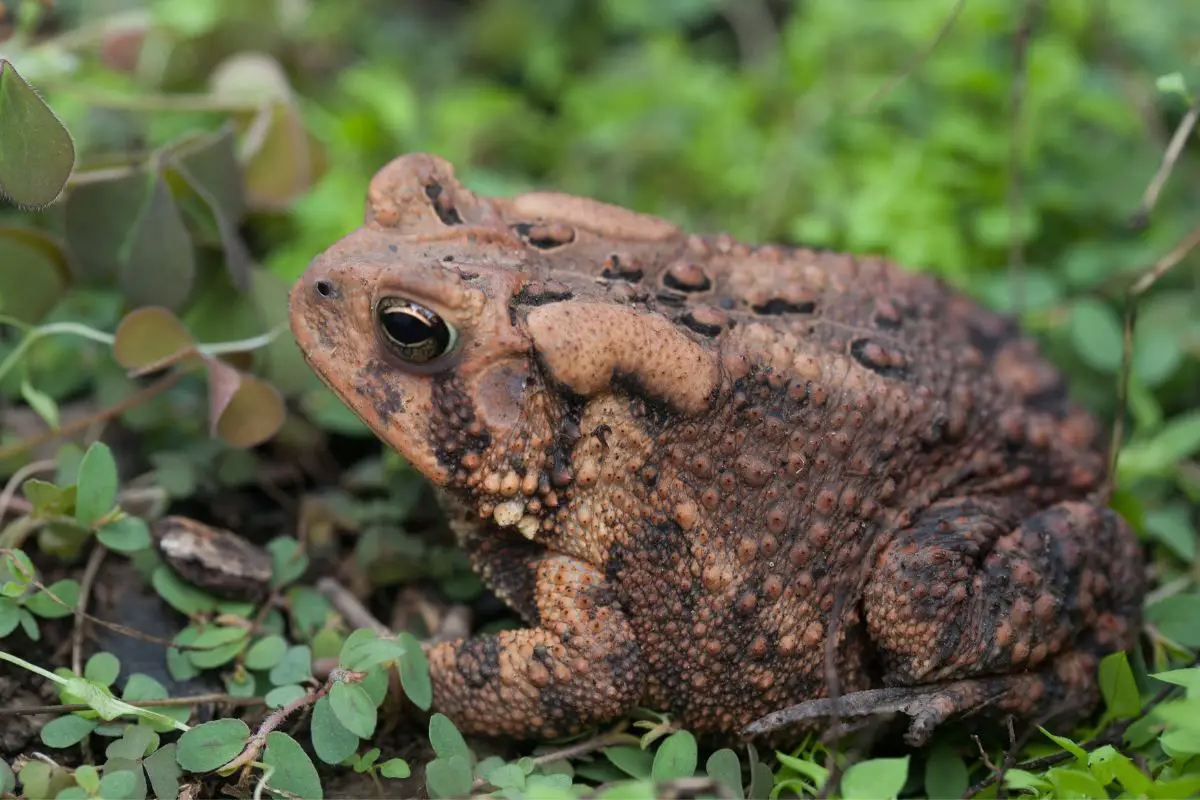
580	666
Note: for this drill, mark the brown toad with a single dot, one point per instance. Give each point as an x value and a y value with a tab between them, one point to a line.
687	461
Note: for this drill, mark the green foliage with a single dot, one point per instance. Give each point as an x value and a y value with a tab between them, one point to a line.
36	152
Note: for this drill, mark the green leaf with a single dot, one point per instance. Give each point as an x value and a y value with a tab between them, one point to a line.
1067	744
158	259
211	745
723	766
266	652
47	498
221	645
449	777
294	667
8	780
446	740
45	606
97	485
1172	525
103	667
1107	765
353	708
163	771
118	784
1096	333
125	535
1175	617
139	686
507	776
88	778
946	773
66	731
36	152
206	176
811	770
1118	686
331	741
16	573
135	743
633	761
183	597
288	559
280	696
676	757
1173	83
294	770
10	616
361	654
396	768
413	667
35	779
1177	440
42	403
878	777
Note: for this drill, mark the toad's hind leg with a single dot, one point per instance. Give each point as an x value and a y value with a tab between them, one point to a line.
970	609
580	665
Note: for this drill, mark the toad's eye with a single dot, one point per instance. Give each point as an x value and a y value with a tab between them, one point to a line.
414	333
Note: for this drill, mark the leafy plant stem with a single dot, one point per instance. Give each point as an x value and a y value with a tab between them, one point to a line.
115	410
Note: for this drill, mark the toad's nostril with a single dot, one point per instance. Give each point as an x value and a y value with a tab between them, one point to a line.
325	288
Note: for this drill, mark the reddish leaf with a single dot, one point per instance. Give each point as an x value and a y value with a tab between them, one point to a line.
280	158
148	336
223	383
253	415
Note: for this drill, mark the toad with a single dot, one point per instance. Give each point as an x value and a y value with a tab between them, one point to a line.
696	467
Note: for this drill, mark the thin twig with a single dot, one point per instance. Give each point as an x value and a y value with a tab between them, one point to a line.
921	57
1111	735
104	414
18	477
349	606
191	700
1020	51
1150	197
85	590
1139	287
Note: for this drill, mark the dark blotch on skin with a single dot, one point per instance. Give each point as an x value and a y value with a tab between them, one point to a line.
777	305
858	349
446	212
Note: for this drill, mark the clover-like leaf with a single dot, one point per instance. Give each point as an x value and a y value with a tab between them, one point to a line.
211	745
252	414
97	485
332	742
294	771
97	219
36	151
34	273
207	179
149	336
158	259
280	155
353	708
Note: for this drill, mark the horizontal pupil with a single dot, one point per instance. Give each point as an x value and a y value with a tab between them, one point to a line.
406	328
